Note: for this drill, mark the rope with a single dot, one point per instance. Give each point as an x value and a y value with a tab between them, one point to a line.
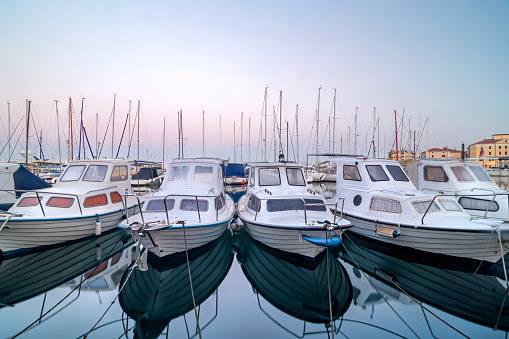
328	280
74	289
191	281
400	289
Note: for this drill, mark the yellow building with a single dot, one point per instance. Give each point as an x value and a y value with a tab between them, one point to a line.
491	152
447	153
402	155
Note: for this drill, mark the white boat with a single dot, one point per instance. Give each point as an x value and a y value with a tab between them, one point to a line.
190	210
88	199
465	181
279	211
147	178
498	171
383	204
234	174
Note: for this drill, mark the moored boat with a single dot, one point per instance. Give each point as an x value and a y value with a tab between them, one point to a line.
279	211
87	200
190	210
383	204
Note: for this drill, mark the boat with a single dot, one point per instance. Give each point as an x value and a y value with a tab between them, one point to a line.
33	273
465	181
190	209
147	178
279	210
478	298
316	292
498	171
89	198
384	205
159	295
16	177
234	174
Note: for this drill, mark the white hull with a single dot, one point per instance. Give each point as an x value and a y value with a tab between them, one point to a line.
473	244
235	181
170	240
20	235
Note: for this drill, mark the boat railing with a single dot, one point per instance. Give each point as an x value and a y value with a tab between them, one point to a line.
126	209
305	204
52	193
493	195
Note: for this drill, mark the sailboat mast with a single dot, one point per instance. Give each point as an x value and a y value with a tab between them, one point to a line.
318	124
28	128
265	138
9	125
70	146
241	127
113	126
280	121
334	125
220	136
355	132
138	137
297	128
58	134
249	141
203	133
274	131
178	128
234	154
396	125
164	140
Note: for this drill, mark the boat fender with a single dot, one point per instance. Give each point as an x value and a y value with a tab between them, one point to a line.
124	216
98	254
387	232
97	225
236	225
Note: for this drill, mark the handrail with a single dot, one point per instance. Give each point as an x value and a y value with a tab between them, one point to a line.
53	193
126	209
304	205
197	205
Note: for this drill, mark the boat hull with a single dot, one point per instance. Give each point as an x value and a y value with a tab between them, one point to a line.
23	234
472	244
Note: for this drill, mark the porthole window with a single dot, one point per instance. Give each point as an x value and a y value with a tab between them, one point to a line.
385	205
98	200
28	201
60	202
115	197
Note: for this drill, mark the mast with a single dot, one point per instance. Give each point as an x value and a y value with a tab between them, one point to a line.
96	134
178	128
203	134
297	128
129	135
249	141
374	132
181	133
317	124
280	121
28	128
287	132
396	125
58	135
81	130
241	126
113	128
70	145
355	132
274	131
164	140
265	138
40	146
220	141
9	125
234	146
138	137
334	126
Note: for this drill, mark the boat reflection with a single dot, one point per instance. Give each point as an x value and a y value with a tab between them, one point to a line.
479	298
235	191
34	273
161	293
297	287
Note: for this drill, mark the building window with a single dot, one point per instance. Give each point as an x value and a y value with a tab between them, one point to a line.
489	153
499	153
489	147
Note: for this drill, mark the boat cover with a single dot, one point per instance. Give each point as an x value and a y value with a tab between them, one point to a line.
233	170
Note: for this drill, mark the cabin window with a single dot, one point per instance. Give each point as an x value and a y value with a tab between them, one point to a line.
97	270
278	205
60	202
219	202
450	205
269	177
178	173
295	177
397	173
351	172
478	204
435	174
251	180
190	205
73	173
202	174
29	201
461	173
385	205
157	205
98	200
119	173
95	173
253	203
422	206
115	197
480	173
377	173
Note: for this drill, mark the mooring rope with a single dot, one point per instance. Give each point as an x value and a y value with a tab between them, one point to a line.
399	288
74	289
328	280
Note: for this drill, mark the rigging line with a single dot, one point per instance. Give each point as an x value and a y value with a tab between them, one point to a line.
375	326
328	280
132	133
105	133
191	280
375	288
402	290
37	135
15	145
75	288
88	142
11	136
122	136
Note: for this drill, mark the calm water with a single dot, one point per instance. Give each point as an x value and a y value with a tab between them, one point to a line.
243	289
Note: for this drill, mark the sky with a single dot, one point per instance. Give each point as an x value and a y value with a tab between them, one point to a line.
441	65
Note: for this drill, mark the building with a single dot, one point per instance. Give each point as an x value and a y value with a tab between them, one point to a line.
402	155
492	152
447	153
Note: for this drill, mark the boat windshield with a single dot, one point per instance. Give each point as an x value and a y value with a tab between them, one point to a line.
351	172
73	173
95	173
397	173
178	173
480	173
461	173
279	205
377	173
435	174
193	205
157	205
295	177
269	177
422	206
202	174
